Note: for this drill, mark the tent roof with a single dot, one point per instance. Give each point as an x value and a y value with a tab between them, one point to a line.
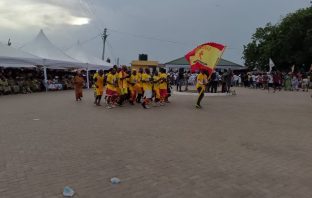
12	57
222	64
41	46
93	63
9	51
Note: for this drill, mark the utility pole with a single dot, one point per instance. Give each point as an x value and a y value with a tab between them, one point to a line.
104	37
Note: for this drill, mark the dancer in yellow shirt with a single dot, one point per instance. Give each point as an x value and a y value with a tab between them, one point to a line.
123	84
133	86
156	79
99	87
163	86
96	74
111	89
139	86
202	81
147	88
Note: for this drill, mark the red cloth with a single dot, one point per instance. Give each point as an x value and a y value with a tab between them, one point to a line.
211	53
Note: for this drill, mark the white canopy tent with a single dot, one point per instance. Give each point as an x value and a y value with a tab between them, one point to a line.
12	57
53	57
42	47
91	62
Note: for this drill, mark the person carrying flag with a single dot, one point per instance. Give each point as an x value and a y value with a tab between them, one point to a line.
205	56
202	80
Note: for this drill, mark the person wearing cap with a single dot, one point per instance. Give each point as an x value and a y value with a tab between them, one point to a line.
202	81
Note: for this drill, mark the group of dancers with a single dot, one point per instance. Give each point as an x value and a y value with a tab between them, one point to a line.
134	86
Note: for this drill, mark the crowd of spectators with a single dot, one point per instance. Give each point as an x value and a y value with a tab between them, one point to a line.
278	80
23	81
221	81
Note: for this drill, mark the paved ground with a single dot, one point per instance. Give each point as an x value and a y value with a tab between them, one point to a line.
255	145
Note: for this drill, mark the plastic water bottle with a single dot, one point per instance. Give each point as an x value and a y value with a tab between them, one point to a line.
68	191
115	180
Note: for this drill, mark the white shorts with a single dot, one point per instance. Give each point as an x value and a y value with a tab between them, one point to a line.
148	94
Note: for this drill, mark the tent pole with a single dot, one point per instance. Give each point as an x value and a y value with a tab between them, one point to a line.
45	78
88	83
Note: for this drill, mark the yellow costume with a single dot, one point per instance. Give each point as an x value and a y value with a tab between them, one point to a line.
156	86
99	84
123	83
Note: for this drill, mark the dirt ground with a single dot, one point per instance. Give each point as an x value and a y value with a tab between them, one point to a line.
256	144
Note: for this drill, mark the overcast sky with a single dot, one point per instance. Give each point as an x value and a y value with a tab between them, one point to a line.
164	29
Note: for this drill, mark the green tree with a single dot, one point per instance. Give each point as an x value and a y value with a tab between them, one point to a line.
288	42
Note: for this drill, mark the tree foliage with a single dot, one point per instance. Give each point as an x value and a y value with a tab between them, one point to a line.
287	43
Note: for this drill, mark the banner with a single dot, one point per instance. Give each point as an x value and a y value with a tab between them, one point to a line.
205	57
271	64
293	69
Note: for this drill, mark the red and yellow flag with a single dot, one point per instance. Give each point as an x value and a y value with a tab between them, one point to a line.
205	56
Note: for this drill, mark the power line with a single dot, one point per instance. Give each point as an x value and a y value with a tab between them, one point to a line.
89	4
92	10
111	50
149	37
84	41
86	7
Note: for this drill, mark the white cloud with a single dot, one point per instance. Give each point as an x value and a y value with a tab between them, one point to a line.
20	14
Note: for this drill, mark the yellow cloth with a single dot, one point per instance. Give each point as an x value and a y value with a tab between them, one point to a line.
157	93
156	84
202	80
95	75
163	82
117	86
147	85
140	83
111	81
99	85
133	80
123	83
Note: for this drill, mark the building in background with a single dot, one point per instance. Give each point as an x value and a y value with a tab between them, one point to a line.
222	65
143	62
